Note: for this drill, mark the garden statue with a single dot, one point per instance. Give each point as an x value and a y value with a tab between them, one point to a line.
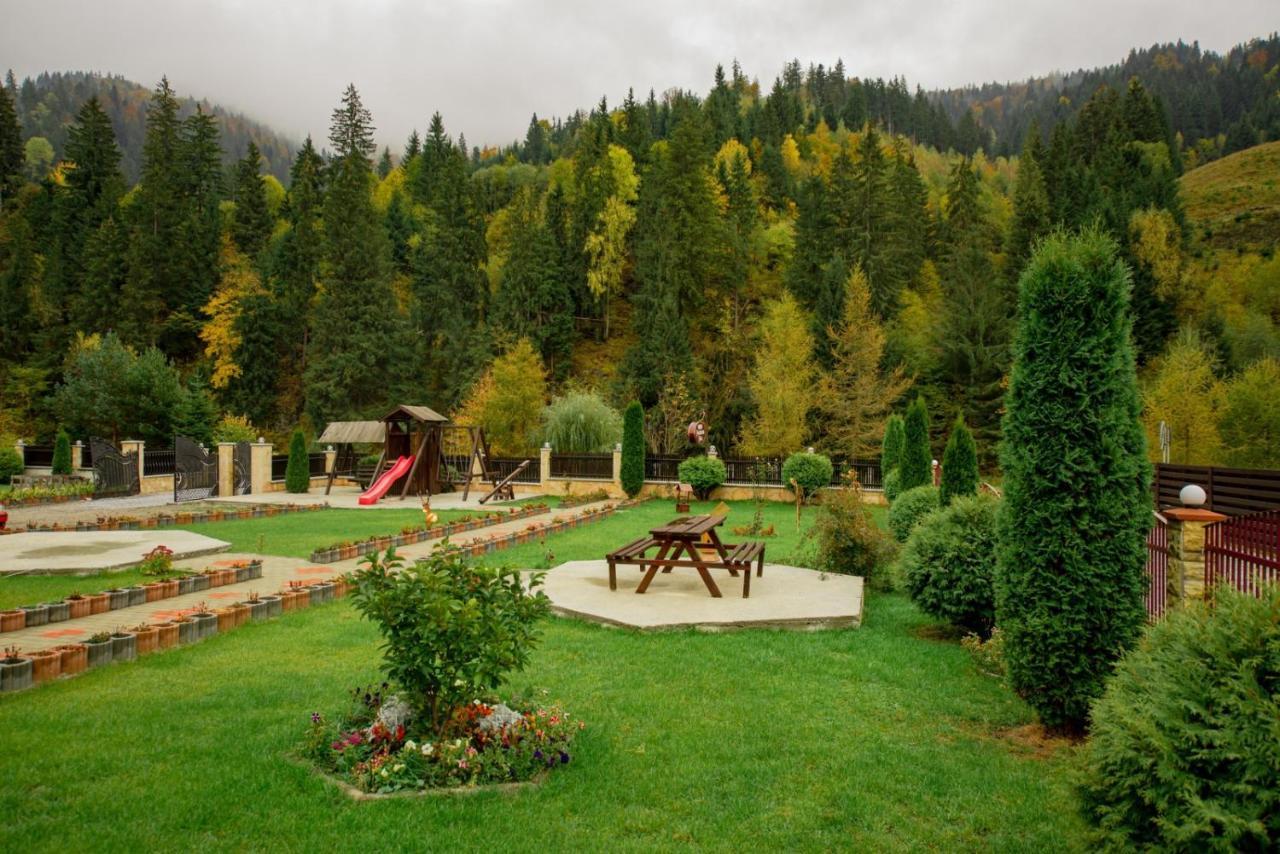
431	518
698	430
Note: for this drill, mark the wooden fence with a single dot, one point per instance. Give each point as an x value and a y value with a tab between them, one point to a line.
1232	492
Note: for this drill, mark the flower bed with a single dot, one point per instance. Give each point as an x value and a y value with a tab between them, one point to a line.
370	752
31	496
421	533
168	520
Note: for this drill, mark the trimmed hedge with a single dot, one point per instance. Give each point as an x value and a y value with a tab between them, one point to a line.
910	507
959	464
892	485
811	471
949	563
62	454
297	474
703	474
1184	754
633	449
916	468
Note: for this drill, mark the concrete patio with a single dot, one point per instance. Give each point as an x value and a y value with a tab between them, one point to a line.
786	597
77	552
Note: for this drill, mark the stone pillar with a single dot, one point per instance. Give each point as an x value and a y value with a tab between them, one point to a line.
330	459
712	452
77	456
1187	581
226	468
260	467
128	446
21	448
617	467
937	473
544	467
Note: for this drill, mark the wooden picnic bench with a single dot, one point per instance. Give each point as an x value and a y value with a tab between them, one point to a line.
695	537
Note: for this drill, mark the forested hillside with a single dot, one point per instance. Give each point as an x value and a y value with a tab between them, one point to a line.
47	106
791	265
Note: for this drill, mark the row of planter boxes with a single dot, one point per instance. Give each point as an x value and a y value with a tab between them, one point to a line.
22	670
77	605
348	551
37	500
167	520
534	532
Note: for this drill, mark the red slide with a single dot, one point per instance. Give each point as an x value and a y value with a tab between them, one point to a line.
382	484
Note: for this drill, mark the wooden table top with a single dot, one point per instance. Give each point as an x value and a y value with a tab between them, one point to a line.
686	527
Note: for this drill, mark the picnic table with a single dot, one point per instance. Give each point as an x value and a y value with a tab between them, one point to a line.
695	537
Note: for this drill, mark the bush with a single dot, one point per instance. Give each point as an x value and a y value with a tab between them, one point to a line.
909	508
1077	506
895	437
949	563
10	464
633	449
959	464
1183	754
297	474
451	631
916	468
811	471
581	423
234	428
703	474
848	540
62	453
892	485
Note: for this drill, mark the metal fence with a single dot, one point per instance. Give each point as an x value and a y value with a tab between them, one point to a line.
279	464
316	465
740	472
1232	492
1157	567
38	456
1244	552
582	466
501	467
157	461
868	472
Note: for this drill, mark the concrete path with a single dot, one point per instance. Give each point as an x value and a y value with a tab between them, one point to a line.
785	597
80	552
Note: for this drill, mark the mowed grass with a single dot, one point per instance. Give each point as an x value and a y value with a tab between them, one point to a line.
18	590
874	738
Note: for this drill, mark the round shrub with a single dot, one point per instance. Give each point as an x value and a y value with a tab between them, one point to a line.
10	464
892	486
949	563
703	474
1183	754
910	507
811	471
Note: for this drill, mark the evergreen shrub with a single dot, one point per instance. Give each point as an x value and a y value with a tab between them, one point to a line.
633	449
959	464
916	468
811	471
297	474
10	465
703	474
949	563
62	453
910	507
892	485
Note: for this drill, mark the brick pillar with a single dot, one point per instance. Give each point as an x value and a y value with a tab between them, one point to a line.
617	468
77	456
544	467
226	468
1187	581
260	467
128	446
21	448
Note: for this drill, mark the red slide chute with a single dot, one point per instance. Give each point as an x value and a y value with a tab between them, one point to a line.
380	486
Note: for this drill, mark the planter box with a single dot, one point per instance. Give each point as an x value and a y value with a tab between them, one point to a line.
208	624
275	605
259	610
166	635
36	615
124	646
119	599
242	574
11	621
78	608
46	665
200	583
242	611
75	658
99	603
137	596
58	611
15	675
186	584
301	598
146	640
98	653
188	631
154	591
171	588
226	619
255	569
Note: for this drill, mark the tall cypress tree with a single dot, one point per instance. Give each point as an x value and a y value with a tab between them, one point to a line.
893	444
1077	506
633	449
959	464
916	468
252	224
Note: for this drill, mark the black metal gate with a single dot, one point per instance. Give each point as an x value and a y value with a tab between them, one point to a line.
240	464
114	473
195	471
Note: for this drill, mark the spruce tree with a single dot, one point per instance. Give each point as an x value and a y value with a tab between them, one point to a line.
1030	209
1077	504
892	446
297	473
633	449
916	468
62	453
11	152
252	223
959	464
384	163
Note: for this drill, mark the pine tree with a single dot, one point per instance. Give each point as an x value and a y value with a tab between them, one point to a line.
633	449
916	468
11	152
297	473
252	224
893	444
384	163
412	148
61	454
1031	217
856	395
199	231
1077	506
959	464
197	414
536	150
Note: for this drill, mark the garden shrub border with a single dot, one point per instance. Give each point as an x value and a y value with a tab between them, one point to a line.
169	520
360	548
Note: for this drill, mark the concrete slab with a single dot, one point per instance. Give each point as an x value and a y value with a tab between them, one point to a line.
785	597
74	552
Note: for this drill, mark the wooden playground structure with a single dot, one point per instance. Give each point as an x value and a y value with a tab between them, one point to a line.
442	453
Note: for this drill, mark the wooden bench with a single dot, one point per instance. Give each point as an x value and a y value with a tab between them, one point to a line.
702	557
743	555
632	552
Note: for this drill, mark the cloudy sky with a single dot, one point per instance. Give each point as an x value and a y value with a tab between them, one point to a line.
487	64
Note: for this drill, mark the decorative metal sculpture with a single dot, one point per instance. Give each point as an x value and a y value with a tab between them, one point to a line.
114	473
195	471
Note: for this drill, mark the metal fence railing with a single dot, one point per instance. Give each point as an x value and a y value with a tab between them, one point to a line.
1244	552
1157	567
157	461
582	466
316	465
662	469
38	456
279	464
532	473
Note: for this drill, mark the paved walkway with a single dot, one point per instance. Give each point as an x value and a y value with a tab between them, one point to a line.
277	572
79	552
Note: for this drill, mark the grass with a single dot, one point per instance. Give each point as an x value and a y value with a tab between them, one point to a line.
875	739
1235	201
18	590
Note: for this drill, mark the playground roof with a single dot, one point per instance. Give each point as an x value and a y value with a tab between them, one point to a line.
418	413
353	433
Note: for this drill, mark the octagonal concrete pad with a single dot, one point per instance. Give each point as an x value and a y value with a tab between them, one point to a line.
784	597
70	552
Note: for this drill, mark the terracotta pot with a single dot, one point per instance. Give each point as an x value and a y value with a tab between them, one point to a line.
166	635
99	603
171	588
11	621
302	598
155	591
78	608
226	619
147	639
242	612
99	653
75	658
46	664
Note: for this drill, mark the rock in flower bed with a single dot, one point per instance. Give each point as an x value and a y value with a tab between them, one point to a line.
452	632
380	747
420	533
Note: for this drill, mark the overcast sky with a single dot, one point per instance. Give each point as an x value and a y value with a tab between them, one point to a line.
486	65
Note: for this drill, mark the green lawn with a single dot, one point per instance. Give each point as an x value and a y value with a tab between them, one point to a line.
18	590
